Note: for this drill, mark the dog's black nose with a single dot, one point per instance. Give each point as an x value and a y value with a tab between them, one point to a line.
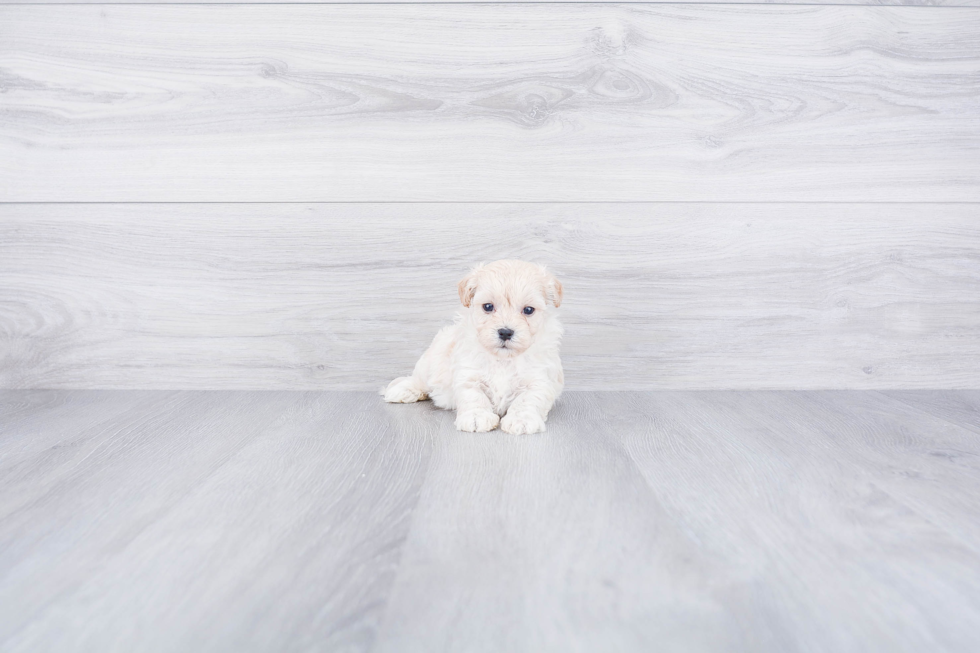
505	334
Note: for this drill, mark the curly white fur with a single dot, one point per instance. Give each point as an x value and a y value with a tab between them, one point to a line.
487	379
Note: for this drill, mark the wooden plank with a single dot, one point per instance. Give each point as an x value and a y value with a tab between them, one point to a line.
215	521
22	409
346	296
549	543
818	551
928	464
509	102
38	421
962	408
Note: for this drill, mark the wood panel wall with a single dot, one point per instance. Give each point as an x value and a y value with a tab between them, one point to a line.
669	295
283	196
489	103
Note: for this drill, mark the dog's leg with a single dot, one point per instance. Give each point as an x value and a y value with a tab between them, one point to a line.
528	412
404	390
474	412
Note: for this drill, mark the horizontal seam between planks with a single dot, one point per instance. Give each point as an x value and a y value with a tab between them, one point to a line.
273	202
517	2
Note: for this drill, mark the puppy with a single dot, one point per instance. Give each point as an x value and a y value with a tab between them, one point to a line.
498	363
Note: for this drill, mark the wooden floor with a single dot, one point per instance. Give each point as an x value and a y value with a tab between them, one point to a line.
641	521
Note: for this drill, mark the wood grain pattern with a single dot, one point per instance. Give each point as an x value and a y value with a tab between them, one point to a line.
774	522
768	490
921	465
347	296
961	408
210	521
552	543
63	415
489	103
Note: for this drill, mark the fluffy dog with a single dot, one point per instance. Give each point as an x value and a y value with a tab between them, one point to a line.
498	363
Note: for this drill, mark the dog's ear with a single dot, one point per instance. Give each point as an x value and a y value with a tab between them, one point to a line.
467	288
552	290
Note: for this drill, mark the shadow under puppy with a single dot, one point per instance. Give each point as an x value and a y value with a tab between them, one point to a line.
498	363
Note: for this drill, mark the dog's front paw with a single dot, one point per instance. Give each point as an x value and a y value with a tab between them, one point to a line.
476	421
522	423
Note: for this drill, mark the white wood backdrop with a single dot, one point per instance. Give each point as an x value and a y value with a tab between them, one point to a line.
210	196
937	3
672	295
498	102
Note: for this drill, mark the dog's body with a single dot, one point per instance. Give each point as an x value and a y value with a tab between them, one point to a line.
499	362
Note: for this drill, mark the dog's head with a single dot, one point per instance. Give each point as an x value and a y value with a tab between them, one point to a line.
508	304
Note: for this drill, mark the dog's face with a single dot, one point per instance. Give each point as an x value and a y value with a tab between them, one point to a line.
507	304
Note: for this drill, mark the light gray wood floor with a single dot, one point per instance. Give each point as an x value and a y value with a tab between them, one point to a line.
647	521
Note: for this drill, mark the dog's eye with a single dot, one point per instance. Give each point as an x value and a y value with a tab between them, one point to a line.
528	310
488	308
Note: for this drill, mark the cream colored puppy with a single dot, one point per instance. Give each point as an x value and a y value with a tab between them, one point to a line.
498	363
